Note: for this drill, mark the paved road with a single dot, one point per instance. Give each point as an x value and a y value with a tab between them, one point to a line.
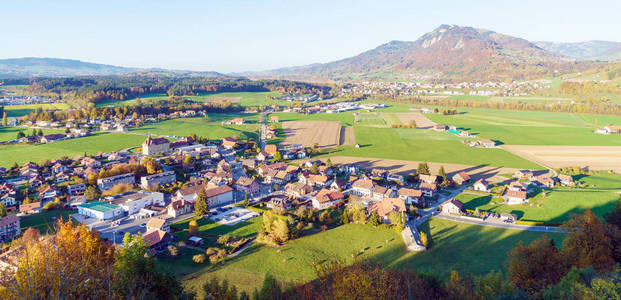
500	225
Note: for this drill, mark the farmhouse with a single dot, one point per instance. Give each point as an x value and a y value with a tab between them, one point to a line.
108	182
523	174
461	178
326	198
179	207
363	187
513	197
157	240
431	179
155	146
229	143
565	179
237	121
453	207
297	190
428	189
52	138
612	129
247	185
388	206
481	185
158	224
410	196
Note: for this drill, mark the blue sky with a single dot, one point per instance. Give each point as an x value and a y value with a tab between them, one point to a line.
231	36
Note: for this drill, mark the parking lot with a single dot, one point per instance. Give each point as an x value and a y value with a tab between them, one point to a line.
231	215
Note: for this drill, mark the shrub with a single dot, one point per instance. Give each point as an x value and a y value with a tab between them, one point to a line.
193	228
173	251
199	258
224	239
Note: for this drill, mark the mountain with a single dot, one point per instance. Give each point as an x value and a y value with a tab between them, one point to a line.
451	51
591	50
56	67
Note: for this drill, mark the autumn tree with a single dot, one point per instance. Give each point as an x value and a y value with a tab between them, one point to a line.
590	242
201	207
92	193
192	228
537	266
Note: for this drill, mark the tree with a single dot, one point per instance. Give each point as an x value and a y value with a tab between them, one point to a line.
21	135
40	133
314	168
614	217
192	228
201	207
423	169
394	217
26	200
374	219
442	174
345	217
325	217
277	156
92	193
535	267
77	265
329	163
424	239
589	242
199	258
3	211
5	121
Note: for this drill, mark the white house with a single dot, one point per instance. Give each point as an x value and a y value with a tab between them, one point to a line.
100	210
481	185
454	207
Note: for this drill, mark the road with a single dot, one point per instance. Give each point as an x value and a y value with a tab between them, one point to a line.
500	225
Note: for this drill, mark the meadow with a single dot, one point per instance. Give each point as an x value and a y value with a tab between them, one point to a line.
99	142
558	203
10	133
22	110
45	221
470	249
244	99
210	128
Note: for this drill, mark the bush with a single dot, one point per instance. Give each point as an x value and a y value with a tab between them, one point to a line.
199	258
192	228
173	251
224	239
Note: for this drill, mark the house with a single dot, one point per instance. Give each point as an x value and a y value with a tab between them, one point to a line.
565	179
380	192
363	187
179	207
400	179
153	146
158	224
439	127
90	162
229	143
481	185
453	207
278	203
514	197
9	228
314	180
100	210
7	199
517	186
30	208
351	169
507	217
338	185
216	195
158	179
76	189
271	149
262	156
410	196
61	177
387	206
379	173
297	190
52	138
428	189
326	198
108	182
545	181
274	119
48	193
485	143
59	168
247	185
431	179
461	178
523	174
157	240
612	129
237	121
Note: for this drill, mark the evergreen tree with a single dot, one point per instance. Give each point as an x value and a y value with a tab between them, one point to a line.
442	174
423	169
345	217
201	207
40	132
5	122
374	219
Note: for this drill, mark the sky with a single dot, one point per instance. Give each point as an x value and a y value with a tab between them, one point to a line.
236	36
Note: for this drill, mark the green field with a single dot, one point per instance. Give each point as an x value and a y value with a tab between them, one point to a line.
470	249
242	98
10	133
209	128
559	203
22	110
44	221
210	231
99	142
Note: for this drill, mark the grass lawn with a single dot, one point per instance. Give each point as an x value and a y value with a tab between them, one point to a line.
210	231
210	128
44	221
99	142
241	98
346	118
426	145
470	249
559	203
10	133
22	110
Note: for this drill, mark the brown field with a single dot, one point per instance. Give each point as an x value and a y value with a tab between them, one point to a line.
594	157
223	99
348	136
421	121
404	167
307	133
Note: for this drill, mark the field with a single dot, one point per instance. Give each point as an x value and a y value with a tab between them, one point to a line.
348	136
420	120
22	110
559	203
308	133
44	221
533	128
209	128
470	249
241	98
10	133
100	142
594	157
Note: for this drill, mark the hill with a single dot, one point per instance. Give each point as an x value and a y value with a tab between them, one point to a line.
451	51
591	50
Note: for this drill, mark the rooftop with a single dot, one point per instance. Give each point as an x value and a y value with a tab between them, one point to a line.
99	206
